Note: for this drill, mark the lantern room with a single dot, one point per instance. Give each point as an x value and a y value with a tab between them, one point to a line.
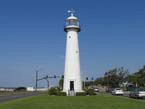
72	22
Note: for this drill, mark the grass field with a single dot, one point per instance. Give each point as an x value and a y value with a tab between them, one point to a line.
74	102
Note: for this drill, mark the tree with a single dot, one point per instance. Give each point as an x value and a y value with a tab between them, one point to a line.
99	80
61	82
138	78
114	77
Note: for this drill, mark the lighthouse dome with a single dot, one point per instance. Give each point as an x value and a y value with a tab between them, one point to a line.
72	18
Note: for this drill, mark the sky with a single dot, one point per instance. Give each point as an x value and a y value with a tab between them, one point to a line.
32	38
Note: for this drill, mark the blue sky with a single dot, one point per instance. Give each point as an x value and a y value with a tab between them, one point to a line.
32	38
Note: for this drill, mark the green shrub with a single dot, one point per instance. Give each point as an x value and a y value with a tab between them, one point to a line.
57	92
52	91
90	92
59	89
61	93
80	93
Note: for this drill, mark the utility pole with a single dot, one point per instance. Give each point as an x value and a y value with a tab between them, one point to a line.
36	79
93	82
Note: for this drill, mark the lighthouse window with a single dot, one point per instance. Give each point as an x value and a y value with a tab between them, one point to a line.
72	22
77	51
69	36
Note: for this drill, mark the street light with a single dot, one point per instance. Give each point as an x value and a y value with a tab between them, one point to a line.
85	81
86	78
46	78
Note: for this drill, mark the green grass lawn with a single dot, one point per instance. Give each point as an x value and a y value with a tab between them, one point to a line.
74	102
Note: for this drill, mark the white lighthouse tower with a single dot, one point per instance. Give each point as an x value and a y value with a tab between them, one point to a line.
72	81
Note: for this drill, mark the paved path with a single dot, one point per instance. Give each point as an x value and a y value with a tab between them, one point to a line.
17	96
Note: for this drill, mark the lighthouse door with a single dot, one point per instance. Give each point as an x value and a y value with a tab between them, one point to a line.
71	85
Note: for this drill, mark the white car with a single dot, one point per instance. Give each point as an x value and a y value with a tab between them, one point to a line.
117	91
96	90
137	93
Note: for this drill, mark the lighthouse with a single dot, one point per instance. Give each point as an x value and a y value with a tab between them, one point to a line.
72	79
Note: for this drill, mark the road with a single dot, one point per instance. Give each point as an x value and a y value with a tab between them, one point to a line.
17	96
126	95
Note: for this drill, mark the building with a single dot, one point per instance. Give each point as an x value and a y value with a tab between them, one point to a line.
72	80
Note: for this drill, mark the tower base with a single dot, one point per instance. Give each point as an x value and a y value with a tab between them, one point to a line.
72	92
